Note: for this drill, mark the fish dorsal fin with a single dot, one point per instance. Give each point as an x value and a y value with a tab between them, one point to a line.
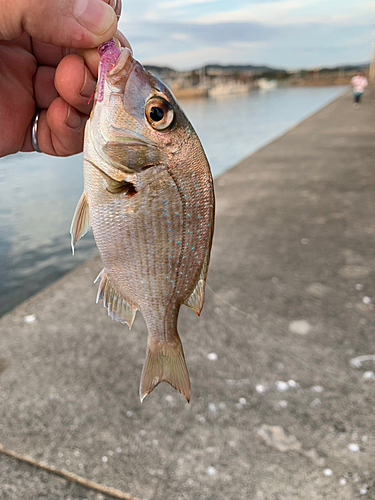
118	308
81	222
195	300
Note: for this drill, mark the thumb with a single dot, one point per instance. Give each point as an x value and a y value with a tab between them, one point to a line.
68	23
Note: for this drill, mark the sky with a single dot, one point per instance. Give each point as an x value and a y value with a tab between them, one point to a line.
291	34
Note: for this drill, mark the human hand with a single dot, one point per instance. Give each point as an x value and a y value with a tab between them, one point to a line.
37	71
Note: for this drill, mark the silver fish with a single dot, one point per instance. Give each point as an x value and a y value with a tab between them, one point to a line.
148	195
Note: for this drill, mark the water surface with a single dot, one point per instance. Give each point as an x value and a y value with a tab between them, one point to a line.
38	193
231	128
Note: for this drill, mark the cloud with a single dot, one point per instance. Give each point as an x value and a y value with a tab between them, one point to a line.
180	36
281	33
209	34
272	12
248	45
187	59
150	16
171	4
187	46
294	12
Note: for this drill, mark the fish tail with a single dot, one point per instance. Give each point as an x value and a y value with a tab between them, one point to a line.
165	362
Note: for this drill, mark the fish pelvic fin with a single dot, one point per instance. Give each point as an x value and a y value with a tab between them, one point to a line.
165	362
81	222
118	308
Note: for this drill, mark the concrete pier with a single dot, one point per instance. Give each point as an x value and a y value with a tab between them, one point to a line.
282	360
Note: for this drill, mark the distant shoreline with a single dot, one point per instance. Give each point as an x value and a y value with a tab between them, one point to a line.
197	92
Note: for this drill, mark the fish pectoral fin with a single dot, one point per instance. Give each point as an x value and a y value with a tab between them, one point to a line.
165	363
116	181
118	308
117	187
81	222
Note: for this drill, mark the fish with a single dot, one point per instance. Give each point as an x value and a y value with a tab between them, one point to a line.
149	199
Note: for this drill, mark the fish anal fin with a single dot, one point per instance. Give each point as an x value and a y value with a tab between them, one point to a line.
81	222
118	308
195	300
165	362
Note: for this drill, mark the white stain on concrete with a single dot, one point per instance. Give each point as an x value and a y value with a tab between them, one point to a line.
317	388
283	404
211	471
275	437
301	327
353	447
357	362
212	407
281	386
316	402
29	319
293	384
212	356
261	389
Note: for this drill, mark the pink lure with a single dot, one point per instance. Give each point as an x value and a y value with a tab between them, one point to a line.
109	54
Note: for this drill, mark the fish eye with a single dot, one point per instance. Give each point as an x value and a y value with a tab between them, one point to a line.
159	113
156	114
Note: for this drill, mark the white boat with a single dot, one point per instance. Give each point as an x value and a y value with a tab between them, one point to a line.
229	88
265	84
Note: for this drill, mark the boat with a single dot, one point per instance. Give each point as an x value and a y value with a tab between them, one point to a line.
265	84
228	88
189	92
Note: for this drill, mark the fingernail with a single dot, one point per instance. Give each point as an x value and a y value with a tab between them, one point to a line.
73	120
88	86
94	15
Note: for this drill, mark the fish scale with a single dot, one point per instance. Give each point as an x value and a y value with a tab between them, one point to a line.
148	196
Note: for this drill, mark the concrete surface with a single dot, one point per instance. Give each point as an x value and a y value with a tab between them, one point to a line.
278	414
22	481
